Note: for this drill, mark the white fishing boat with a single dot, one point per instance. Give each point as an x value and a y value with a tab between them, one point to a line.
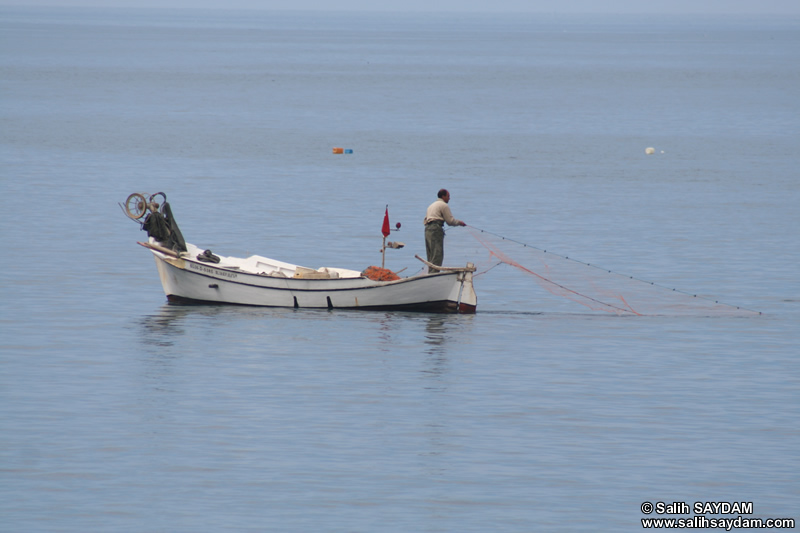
190	274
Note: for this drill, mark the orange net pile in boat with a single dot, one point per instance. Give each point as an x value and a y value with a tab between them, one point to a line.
380	274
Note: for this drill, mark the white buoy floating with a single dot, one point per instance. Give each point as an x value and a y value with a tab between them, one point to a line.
649	150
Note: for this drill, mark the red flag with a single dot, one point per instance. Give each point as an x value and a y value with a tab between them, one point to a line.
386	230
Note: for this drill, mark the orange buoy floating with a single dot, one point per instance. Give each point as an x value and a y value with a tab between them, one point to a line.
338	150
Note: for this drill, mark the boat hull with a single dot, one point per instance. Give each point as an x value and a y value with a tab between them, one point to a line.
188	281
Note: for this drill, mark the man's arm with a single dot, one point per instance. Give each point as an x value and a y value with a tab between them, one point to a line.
449	218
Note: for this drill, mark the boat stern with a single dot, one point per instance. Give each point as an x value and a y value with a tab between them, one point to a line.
467	299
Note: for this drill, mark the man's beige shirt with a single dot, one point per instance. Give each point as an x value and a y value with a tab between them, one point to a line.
439	210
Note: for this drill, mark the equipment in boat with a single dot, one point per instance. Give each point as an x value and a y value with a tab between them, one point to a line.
159	223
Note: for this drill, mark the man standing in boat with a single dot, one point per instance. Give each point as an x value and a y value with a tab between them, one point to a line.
438	213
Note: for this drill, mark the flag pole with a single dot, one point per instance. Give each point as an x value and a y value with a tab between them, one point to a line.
385	230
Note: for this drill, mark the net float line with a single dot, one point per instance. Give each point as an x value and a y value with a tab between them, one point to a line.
616	308
556	288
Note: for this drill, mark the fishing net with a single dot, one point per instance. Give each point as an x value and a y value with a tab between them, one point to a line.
379	274
589	286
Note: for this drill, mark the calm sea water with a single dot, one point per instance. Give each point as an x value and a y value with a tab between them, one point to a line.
119	412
